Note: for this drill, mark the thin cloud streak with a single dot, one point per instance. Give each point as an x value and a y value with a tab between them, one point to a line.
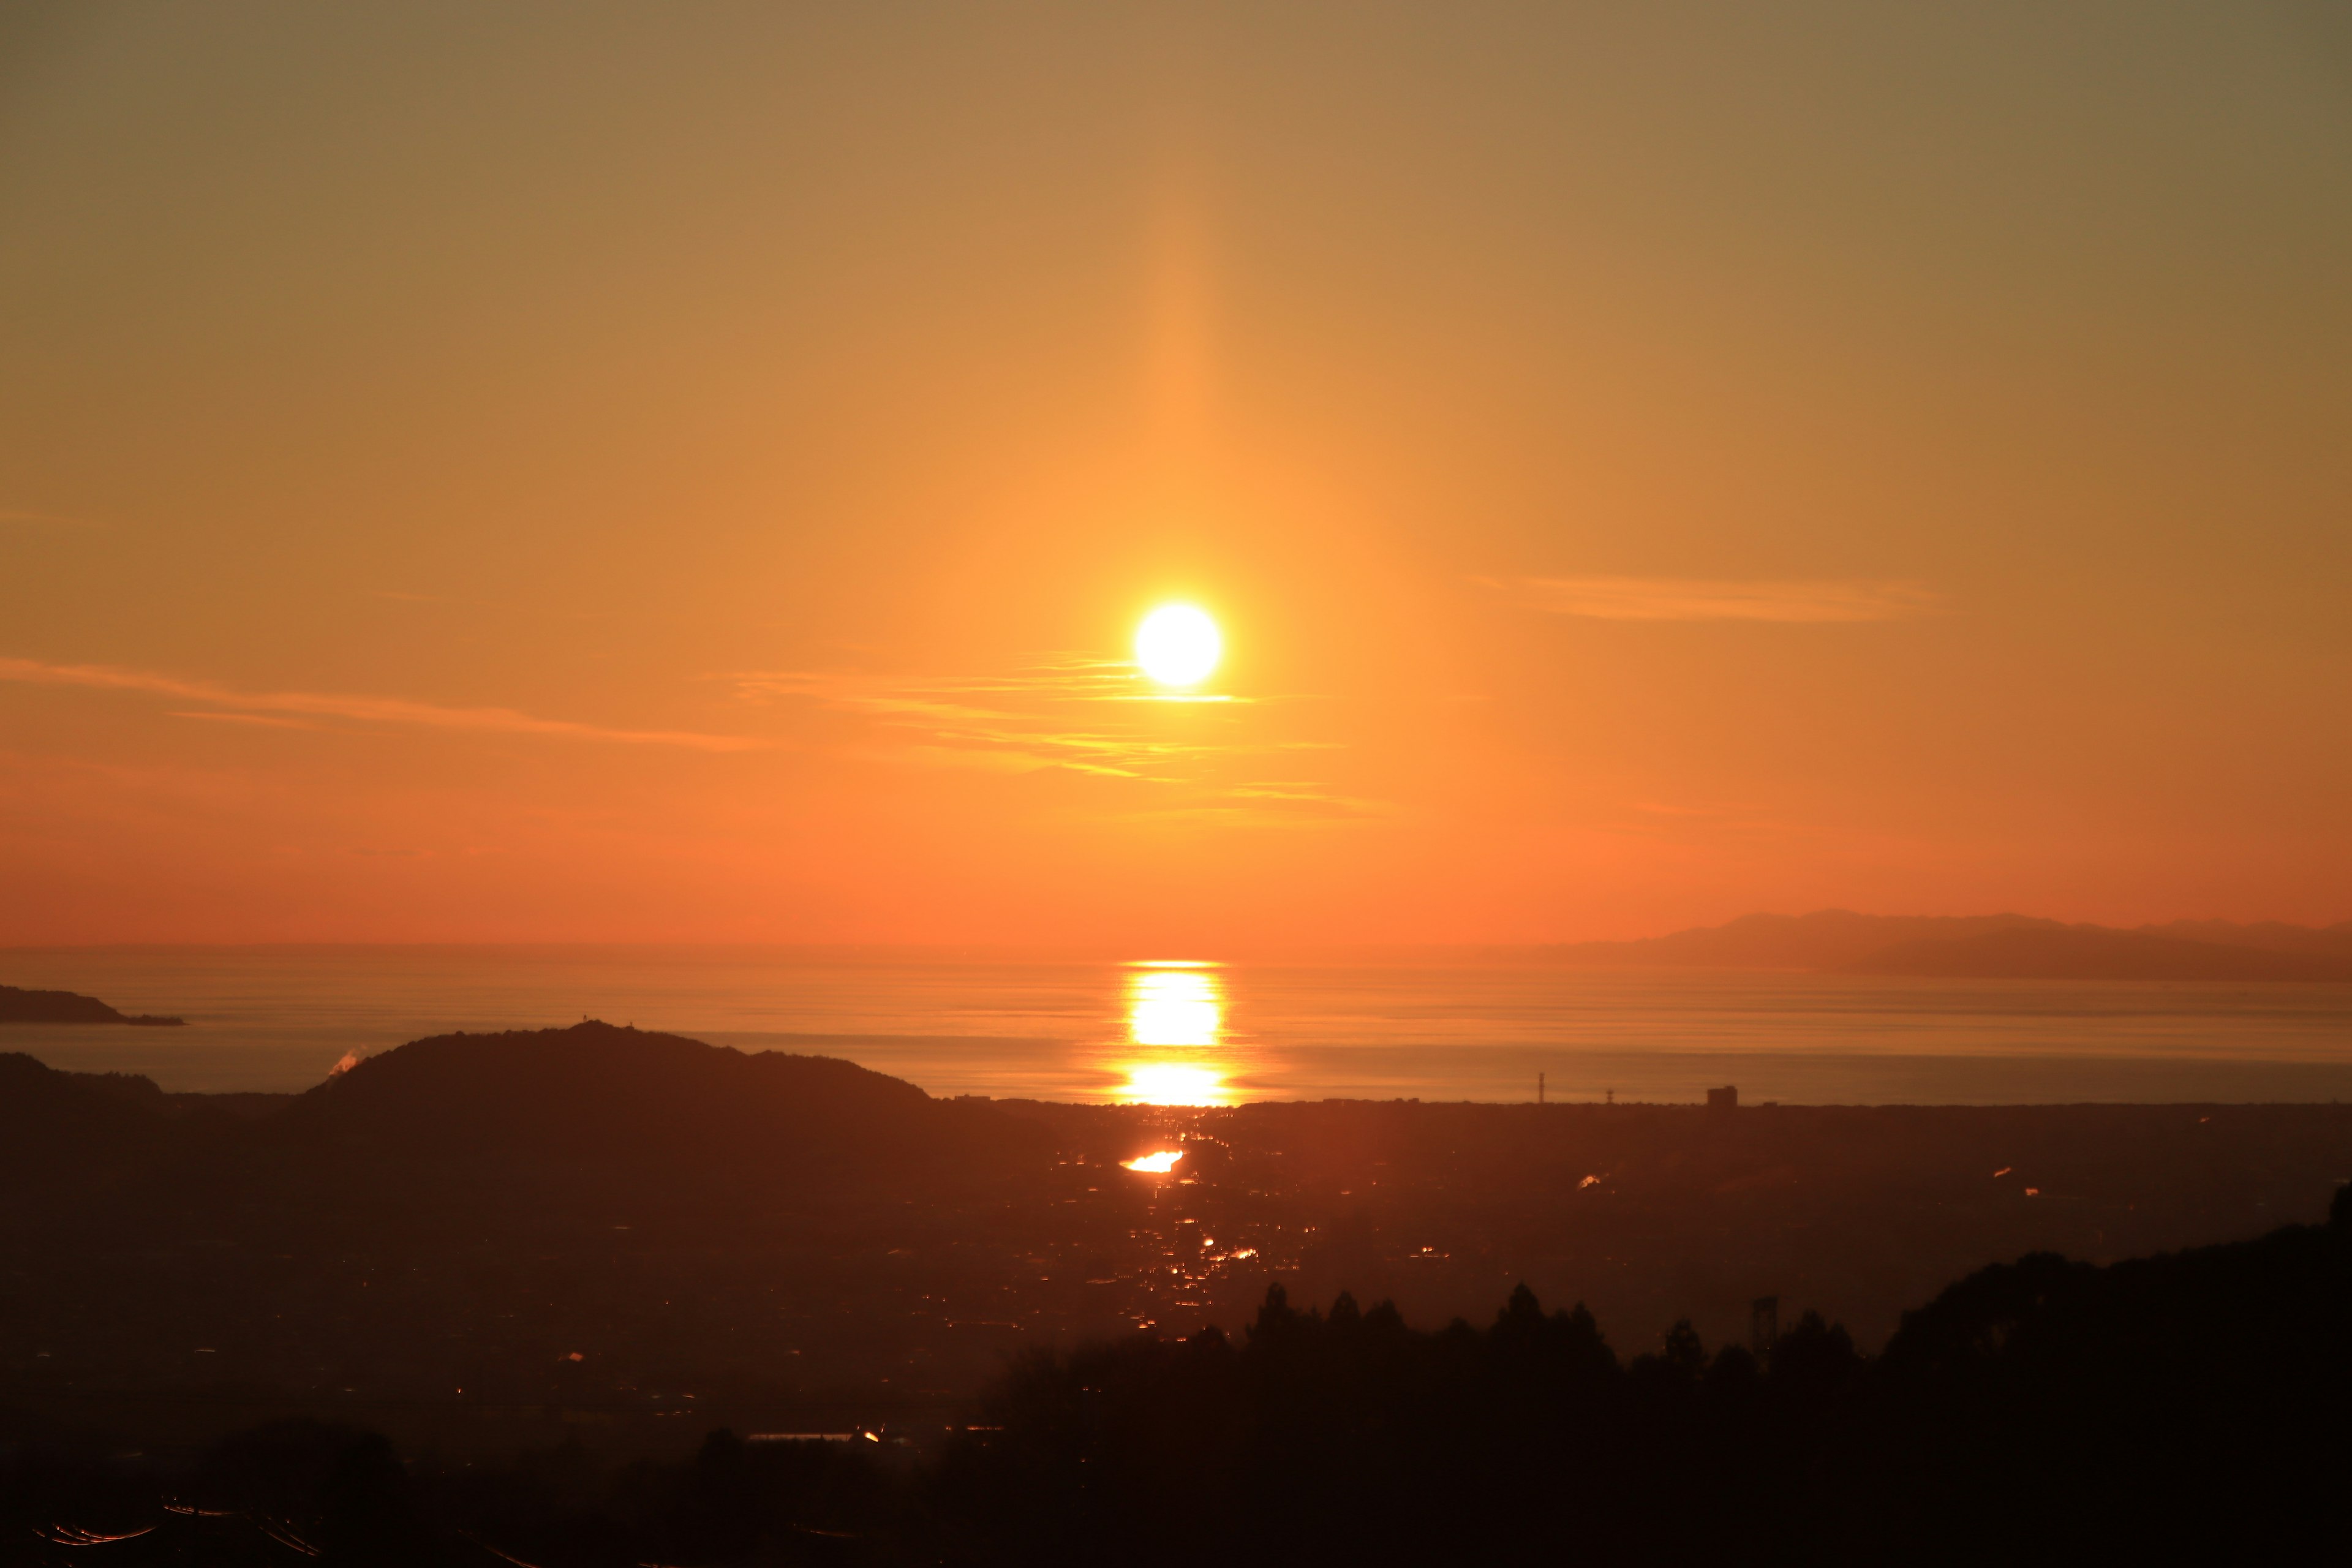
1005	720
1708	599
1068	712
216	716
365	710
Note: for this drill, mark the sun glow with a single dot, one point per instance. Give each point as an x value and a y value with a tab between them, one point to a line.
1157	1164
1177	645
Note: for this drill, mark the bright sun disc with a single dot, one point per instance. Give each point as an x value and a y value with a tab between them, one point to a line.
1177	645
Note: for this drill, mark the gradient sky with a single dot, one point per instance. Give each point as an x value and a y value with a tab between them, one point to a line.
497	473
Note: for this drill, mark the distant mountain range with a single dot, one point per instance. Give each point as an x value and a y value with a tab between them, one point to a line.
1989	947
21	1006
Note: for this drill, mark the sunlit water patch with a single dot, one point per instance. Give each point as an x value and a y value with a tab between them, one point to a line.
1177	1012
1174	1083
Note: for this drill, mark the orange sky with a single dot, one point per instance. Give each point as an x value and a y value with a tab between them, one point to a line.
508	473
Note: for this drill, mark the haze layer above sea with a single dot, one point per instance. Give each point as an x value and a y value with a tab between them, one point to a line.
1420	1026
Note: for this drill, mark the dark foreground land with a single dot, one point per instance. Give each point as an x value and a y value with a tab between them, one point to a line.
598	1244
492	1240
2187	1408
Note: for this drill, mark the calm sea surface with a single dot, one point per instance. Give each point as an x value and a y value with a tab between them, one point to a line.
279	1018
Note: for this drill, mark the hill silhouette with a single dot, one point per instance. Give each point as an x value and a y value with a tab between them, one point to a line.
627	1094
536	1217
547	1131
464	1127
86	1136
21	1006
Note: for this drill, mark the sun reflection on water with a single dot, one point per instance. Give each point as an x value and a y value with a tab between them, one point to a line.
1172	1083
1167	1005
1178	1009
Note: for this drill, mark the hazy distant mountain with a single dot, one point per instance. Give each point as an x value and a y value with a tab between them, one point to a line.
1989	947
2272	936
2093	953
20	1006
1827	939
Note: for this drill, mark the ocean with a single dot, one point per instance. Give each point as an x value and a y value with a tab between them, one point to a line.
1174	1031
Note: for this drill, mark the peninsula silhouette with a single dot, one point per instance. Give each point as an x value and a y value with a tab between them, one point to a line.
21	1006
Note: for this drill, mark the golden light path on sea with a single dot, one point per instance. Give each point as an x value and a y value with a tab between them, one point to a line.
1175	1013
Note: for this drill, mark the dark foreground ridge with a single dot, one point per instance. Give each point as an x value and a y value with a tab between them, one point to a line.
2186	1407
491	1242
21	1006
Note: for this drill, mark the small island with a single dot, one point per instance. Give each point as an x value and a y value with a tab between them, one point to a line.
21	1006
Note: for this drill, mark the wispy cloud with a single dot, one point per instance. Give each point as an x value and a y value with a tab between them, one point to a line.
263	720
1710	599
1083	715
395	711
1306	797
1065	712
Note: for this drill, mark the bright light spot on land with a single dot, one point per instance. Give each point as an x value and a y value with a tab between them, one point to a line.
1174	1083
1171	1006
1177	645
1590	1181
350	1059
1157	1164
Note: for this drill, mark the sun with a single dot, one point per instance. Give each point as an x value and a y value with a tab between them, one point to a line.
1177	645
